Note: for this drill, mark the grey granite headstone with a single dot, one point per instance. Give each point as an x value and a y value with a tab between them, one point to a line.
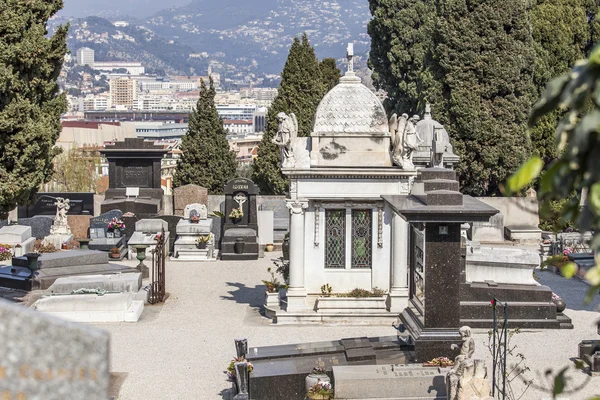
151	225
40	225
72	362
102	220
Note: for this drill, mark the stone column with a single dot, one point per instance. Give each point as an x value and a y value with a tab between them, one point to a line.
398	297
296	293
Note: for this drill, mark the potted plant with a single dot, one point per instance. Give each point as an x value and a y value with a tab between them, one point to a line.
271	293
316	375
236	215
441	362
5	252
320	390
202	241
115	252
116	225
358	300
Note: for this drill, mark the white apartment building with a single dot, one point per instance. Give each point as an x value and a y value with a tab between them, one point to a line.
85	56
239	127
123	92
133	68
175	86
97	102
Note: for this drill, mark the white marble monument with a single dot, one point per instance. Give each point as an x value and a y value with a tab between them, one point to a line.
192	231
60	232
18	237
145	235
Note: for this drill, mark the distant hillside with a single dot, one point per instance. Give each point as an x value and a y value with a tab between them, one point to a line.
133	43
116	8
262	30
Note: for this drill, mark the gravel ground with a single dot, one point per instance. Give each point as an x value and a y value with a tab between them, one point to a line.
179	350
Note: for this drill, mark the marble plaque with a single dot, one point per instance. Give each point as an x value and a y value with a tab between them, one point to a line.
418	267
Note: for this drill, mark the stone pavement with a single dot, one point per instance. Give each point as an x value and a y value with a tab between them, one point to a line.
179	350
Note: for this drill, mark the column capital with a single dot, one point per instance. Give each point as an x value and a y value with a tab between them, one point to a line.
296	206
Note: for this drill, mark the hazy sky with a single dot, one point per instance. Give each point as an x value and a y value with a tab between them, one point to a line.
134	8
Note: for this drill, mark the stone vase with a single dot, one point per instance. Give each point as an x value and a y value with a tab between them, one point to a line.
560	305
312	379
32	261
269	248
239	245
201	245
271	299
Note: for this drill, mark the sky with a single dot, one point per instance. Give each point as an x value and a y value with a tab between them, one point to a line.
111	8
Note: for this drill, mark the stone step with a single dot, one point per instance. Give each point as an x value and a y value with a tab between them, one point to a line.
444	198
516	310
480	291
437	173
519	323
441	184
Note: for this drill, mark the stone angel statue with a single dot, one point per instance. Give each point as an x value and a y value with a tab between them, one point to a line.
405	140
396	128
287	132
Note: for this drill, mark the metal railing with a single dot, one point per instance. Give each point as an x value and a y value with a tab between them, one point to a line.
158	286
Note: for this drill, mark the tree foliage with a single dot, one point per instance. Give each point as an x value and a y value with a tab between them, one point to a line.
300	92
76	171
207	160
330	73
30	105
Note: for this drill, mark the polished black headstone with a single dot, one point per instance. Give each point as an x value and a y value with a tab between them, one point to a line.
102	220
40	225
239	238
81	204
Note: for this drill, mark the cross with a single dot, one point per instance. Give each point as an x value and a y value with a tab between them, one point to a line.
350	56
240	198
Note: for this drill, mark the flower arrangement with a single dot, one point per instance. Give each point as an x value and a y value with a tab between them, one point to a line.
361	293
326	290
320	390
231	367
115	223
5	252
273	285
194	218
236	213
567	251
203	239
39	246
318	370
440	361
115	250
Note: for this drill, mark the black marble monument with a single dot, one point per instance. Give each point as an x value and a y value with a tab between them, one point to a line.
433	316
134	163
239	240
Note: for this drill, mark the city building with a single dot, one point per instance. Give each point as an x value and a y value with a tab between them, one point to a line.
236	111
160	130
245	148
238	127
133	68
85	56
123	92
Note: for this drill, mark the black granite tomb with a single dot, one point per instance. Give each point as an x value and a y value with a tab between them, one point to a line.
81	204
433	316
239	240
134	163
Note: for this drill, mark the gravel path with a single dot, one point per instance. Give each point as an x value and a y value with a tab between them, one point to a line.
179	350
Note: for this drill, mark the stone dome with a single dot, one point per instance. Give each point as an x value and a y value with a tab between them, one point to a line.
350	107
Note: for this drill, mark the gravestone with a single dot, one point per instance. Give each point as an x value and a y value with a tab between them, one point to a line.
80	225
172	221
194	227
72	362
239	241
189	194
436	261
19	237
134	163
81	204
40	225
104	240
145	234
102	220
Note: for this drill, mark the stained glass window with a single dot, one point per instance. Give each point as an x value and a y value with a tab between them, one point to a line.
335	238
361	238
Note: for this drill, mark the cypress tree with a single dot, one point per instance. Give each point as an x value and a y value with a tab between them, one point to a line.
401	43
300	92
485	59
207	160
330	73
30	104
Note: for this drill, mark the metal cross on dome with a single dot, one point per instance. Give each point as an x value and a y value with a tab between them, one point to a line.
350	57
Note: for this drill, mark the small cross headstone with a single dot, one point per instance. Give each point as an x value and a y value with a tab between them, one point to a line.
241	347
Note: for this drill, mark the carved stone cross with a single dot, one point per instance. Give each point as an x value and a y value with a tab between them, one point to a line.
240	198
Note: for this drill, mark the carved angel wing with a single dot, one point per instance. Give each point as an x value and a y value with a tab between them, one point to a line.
399	142
393	127
294	133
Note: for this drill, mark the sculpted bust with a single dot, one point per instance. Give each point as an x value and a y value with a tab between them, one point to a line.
287	132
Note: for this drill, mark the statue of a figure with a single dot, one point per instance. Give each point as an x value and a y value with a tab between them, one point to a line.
60	225
438	148
466	353
287	132
405	140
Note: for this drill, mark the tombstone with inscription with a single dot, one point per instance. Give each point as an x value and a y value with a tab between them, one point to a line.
104	239
239	238
80	204
134	164
436	257
195	240
72	362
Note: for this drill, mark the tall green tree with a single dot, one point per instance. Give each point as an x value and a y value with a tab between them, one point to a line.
300	92
401	44
207	160
562	32
76	171
30	103
330	73
485	58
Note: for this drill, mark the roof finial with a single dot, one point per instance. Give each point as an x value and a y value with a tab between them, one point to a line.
427	111
350	56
